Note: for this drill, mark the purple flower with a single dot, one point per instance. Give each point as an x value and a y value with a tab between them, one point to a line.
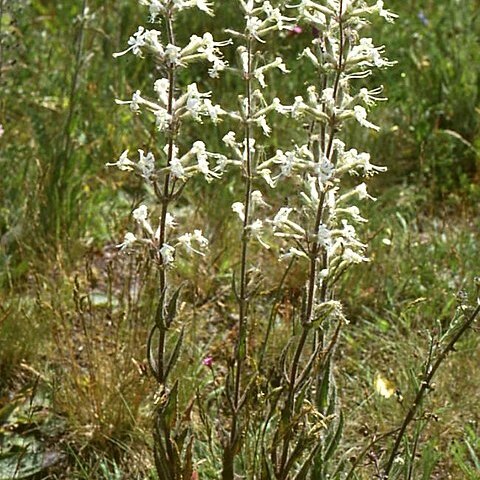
208	361
294	31
423	18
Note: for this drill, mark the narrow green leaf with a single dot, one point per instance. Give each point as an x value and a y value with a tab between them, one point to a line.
175	354
169	413
159	317
333	445
172	307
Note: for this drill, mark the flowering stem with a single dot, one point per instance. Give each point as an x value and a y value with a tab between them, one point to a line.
243	301
317	252
165	199
240	349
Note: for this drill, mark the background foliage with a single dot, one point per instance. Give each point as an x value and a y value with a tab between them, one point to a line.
74	314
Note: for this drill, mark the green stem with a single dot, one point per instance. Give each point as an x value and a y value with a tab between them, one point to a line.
316	252
241	346
425	386
165	200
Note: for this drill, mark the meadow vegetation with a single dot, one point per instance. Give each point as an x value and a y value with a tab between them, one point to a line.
77	397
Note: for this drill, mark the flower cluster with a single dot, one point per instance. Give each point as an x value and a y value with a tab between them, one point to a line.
163	8
198	48
190	242
261	18
320	228
169	169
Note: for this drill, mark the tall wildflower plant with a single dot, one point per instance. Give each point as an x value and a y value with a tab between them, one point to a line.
261	19
167	171
303	422
280	417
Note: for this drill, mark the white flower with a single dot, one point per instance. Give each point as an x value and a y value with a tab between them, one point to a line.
298	108
134	102
136	42
256	228
370	97
365	54
253	25
257	199
123	163
293	253
324	170
244	59
167	253
128	241
186	239
229	139
239	209
279	108
352	160
354	212
2	131
211	52
350	256
386	14
152	42
324	236
194	100
361	191
199	150
146	164
140	215
162	119
156	8
170	221
327	97
281	217
259	72
200	4
311	197
161	88
361	115
172	54
176	168
212	111
307	52
200	239
262	122
266	174
218	66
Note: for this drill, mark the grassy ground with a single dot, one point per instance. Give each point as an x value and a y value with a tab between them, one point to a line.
75	394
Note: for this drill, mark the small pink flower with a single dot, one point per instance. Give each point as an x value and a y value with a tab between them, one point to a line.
294	31
2	131
208	361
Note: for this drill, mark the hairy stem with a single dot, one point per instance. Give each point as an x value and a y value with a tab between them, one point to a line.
316	253
240	348
165	200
